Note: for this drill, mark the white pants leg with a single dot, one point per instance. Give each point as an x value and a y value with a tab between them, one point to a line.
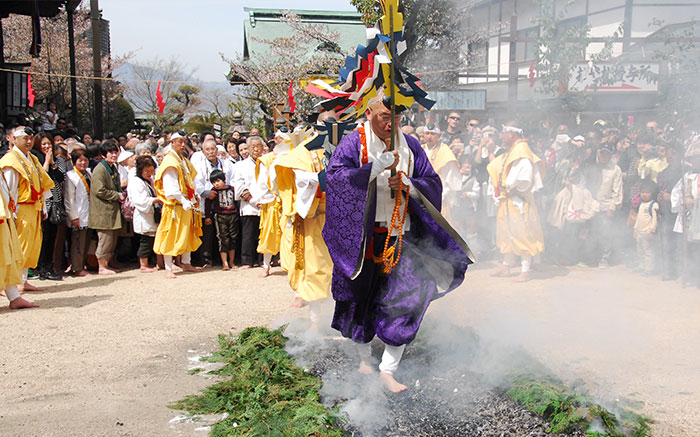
365	352
526	263
315	311
391	358
168	261
186	257
12	292
25	275
267	258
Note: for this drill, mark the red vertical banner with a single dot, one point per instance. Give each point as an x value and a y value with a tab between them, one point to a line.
30	91
290	98
159	99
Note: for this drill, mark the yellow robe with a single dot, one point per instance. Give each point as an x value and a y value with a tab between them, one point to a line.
309	269
32	178
179	229
516	233
439	157
10	248
270	213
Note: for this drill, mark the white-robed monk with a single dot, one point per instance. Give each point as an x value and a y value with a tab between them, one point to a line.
27	181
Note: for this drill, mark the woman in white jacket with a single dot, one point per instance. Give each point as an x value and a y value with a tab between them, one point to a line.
76	198
146	206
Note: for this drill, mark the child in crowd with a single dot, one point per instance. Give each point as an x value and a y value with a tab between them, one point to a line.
225	216
645	226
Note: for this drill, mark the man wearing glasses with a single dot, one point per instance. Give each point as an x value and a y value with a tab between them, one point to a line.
453	130
27	182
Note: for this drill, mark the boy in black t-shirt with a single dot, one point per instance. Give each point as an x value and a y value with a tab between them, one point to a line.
223	208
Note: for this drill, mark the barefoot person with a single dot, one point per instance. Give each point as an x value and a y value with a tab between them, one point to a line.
11	256
515	176
181	221
106	196
271	209
384	276
27	182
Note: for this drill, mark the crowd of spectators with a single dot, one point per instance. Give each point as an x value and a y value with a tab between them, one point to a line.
611	194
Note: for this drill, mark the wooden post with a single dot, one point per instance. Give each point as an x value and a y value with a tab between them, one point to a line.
392	80
512	66
97	68
71	57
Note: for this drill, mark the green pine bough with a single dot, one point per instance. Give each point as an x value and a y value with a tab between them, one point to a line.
264	392
568	411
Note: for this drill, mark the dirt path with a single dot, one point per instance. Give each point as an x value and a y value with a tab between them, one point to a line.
105	356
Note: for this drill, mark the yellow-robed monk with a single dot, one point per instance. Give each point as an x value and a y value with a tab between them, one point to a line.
445	165
27	181
303	253
11	256
516	175
181	220
270	212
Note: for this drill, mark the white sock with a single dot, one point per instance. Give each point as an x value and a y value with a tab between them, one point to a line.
12	292
267	257
25	275
186	257
391	358
168	260
526	263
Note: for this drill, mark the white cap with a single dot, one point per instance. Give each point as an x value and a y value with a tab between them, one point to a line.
579	138
220	148
175	136
124	155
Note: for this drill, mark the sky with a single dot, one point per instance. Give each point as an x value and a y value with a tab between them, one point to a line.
193	31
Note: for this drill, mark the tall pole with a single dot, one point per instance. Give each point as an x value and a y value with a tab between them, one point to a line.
71	57
512	66
392	80
97	67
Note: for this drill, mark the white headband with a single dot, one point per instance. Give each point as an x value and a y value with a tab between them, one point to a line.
517	130
175	136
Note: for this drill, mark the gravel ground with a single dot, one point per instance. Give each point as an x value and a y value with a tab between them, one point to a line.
104	356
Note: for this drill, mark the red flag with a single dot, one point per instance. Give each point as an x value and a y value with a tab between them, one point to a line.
290	98
159	99
531	75
30	91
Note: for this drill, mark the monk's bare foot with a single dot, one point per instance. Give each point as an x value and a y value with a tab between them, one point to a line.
191	268
502	271
29	287
265	273
245	267
170	274
106	271
390	383
176	268
225	268
83	273
146	270
20	303
523	277
297	303
365	368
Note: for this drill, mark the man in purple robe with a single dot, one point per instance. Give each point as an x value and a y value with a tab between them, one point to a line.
359	209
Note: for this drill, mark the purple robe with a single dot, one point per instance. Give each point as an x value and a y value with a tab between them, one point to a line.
433	261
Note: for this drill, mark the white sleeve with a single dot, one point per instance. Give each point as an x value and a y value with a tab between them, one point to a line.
171	185
307	184
200	184
475	191
69	190
140	196
451	177
12	181
521	175
677	196
264	195
238	181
